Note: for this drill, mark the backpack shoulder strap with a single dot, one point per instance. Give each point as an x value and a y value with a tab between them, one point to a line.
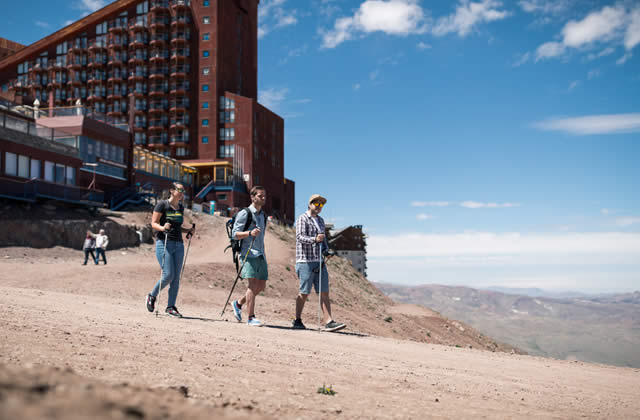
249	219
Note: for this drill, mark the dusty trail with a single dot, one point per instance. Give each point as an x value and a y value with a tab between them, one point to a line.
276	371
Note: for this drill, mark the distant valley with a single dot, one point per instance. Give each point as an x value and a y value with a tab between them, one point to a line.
604	329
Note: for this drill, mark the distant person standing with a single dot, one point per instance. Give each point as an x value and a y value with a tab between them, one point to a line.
102	241
310	234
255	269
89	246
167	219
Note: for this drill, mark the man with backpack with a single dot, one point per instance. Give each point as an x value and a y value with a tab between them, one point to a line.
249	227
310	235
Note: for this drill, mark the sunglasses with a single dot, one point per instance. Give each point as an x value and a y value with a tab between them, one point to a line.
315	203
180	190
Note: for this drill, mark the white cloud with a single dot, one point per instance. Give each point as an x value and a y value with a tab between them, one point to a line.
90	5
613	25
272	15
607	51
626	221
544	6
597	26
574	84
632	36
294	52
424	216
267	6
68	22
393	17
549	50
374	75
593	124
477	205
522	59
504	244
468	15
356	86
423	46
620	61
42	24
605	211
302	101
430	203
272	97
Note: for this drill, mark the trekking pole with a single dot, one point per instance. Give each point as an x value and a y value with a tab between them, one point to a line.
164	253
184	262
320	289
237	276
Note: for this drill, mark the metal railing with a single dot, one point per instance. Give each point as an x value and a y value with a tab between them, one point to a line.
79	110
32	189
31	128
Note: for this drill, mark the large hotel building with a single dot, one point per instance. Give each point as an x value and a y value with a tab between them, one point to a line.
180	76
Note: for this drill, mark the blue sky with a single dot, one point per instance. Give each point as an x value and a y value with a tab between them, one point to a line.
479	142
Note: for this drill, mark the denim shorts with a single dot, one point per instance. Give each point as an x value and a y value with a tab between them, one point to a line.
255	268
308	273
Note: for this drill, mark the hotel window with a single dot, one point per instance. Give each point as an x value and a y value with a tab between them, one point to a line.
206	20
227	134
205	88
205	53
59	173
23	166
205	3
205	37
226	151
70	176
205	123
205	139
205	105
10	164
227	116
35	168
48	171
206	71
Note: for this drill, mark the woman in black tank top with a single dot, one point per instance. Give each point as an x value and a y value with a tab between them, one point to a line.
167	219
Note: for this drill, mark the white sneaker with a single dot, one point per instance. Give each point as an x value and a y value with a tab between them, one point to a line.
254	322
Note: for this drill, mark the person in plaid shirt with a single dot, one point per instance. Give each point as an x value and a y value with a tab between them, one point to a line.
309	235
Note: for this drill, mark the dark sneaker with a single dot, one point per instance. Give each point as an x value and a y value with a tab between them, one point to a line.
173	311
151	303
334	326
298	325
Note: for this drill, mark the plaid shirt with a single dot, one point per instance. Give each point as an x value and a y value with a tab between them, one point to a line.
307	249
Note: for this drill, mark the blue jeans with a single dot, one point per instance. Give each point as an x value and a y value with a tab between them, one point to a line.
171	269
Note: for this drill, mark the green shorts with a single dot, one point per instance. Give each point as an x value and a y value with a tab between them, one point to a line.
255	268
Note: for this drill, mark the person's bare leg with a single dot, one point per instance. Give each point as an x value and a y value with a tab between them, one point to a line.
326	307
300	301
250	297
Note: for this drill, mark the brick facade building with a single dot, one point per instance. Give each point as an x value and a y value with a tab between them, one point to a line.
182	75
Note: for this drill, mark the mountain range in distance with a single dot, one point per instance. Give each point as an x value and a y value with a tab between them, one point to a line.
570	325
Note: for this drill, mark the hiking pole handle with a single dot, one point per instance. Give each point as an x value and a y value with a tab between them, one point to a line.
238	276
190	233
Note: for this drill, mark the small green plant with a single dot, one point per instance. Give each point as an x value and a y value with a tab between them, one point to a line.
388	319
428	334
287	267
326	390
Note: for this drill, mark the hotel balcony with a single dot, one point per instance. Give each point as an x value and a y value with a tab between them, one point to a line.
158	5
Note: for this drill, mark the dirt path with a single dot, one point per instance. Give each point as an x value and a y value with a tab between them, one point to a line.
275	371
